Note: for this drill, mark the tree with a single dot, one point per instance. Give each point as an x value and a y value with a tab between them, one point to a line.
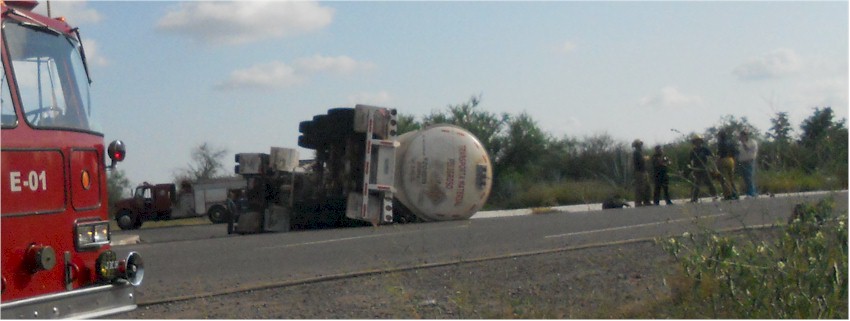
731	125
824	140
116	184
524	145
780	131
206	164
778	151
819	127
407	123
485	125
601	157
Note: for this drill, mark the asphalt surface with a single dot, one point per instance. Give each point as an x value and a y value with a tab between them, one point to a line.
191	261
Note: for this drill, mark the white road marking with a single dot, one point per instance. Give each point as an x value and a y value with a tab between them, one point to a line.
632	226
353	238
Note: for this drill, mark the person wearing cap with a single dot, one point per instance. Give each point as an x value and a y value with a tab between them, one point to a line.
660	162
641	177
699	168
747	161
726	153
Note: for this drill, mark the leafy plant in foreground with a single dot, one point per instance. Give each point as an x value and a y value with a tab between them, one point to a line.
801	275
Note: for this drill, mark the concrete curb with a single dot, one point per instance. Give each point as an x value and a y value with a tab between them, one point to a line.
124	240
598	206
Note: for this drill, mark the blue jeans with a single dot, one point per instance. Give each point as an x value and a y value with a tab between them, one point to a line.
748	171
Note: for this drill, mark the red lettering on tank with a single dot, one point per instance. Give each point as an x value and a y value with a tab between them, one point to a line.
461	177
413	171
450	174
423	171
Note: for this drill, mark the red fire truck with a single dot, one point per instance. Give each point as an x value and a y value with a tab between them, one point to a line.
56	255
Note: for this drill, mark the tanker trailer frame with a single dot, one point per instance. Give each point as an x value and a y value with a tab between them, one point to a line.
352	174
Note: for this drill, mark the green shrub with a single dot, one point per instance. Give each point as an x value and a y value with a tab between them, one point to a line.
564	193
803	274
789	181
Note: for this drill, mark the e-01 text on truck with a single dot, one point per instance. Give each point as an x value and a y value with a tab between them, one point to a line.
56	256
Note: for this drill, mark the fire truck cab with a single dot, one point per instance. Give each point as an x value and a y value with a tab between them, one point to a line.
57	261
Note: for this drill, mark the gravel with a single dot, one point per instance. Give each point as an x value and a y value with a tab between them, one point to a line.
602	282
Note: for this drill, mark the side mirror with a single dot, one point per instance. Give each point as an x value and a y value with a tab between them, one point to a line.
117	151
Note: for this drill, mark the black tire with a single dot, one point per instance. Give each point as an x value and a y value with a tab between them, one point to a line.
345	111
231	219
218	214
340	122
320	125
138	224
305	142
126	220
306	127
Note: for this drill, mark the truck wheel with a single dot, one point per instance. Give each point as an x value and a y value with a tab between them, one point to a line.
306	127
138	224
126	220
305	142
340	122
217	214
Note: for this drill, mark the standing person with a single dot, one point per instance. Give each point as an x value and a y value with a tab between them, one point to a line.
699	168
661	179
747	159
726	153
231	209
641	177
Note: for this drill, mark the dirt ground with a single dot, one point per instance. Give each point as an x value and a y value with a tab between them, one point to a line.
601	282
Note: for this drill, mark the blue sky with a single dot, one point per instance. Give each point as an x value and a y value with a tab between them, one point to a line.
169	76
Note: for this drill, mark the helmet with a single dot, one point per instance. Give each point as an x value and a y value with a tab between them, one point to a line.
637	143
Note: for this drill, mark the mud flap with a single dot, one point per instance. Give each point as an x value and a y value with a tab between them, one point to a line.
277	219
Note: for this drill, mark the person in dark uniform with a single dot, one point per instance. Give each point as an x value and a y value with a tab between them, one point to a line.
699	167
641	177
661	179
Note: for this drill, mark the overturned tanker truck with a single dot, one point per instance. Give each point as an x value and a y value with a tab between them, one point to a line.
363	173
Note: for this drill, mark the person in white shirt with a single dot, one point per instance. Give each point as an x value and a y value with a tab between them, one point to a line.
747	160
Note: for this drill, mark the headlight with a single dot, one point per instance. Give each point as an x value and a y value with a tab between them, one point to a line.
90	235
130	270
107	266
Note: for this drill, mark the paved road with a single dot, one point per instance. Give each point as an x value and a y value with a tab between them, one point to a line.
187	261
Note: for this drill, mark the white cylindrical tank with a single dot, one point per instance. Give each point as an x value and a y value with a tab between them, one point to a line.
442	173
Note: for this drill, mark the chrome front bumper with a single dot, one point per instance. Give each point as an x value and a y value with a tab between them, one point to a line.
85	303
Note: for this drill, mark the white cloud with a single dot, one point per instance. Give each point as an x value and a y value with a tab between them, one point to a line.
75	12
337	65
273	75
381	98
821	93
93	53
775	64
670	97
567	47
244	21
277	75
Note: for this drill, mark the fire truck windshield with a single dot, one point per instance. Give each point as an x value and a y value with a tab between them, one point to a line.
50	77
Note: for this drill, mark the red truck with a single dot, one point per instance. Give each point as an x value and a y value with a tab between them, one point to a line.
56	256
161	202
